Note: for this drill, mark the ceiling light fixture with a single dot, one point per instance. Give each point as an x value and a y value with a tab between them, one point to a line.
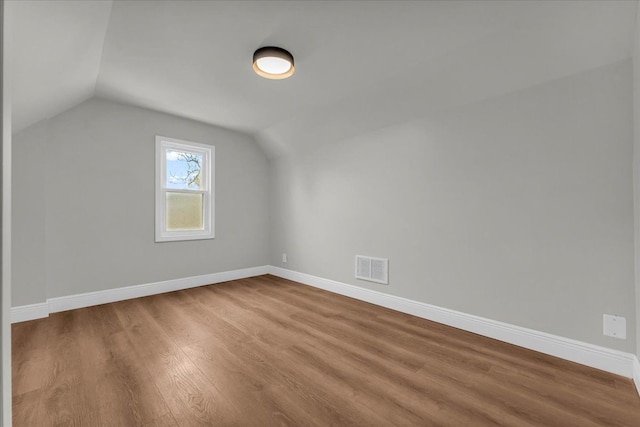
273	63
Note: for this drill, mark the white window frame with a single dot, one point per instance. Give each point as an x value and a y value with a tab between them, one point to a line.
207	173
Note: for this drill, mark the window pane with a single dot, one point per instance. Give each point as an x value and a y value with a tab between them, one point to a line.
184	211
184	170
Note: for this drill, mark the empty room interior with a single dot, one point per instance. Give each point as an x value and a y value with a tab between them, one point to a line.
314	213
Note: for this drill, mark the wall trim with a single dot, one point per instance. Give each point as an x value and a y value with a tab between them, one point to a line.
603	358
636	373
70	302
29	312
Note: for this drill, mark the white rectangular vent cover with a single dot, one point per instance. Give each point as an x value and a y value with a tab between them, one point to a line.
372	269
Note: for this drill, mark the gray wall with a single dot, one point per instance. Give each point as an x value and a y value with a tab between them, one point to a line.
518	209
636	169
84	203
28	208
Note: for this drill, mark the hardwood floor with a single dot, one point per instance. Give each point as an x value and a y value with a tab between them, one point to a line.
267	351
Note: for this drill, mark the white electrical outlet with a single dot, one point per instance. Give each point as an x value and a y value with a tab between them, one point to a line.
284	258
614	326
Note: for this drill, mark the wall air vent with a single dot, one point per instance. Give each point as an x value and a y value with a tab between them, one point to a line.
372	269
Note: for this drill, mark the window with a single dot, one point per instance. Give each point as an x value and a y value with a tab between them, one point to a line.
184	190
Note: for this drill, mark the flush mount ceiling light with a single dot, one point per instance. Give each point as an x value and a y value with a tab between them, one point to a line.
273	63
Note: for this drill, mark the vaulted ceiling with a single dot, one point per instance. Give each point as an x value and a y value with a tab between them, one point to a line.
359	65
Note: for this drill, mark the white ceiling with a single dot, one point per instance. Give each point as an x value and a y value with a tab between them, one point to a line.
55	56
359	65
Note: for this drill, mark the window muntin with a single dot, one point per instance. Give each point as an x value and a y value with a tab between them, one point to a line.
184	184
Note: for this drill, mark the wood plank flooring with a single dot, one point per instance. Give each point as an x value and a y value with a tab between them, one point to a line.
267	351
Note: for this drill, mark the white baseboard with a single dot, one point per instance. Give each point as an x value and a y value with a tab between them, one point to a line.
603	358
54	305
29	312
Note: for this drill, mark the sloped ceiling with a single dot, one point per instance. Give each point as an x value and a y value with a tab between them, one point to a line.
359	65
55	56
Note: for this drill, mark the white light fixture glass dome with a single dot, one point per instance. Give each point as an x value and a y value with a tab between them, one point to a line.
273	63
